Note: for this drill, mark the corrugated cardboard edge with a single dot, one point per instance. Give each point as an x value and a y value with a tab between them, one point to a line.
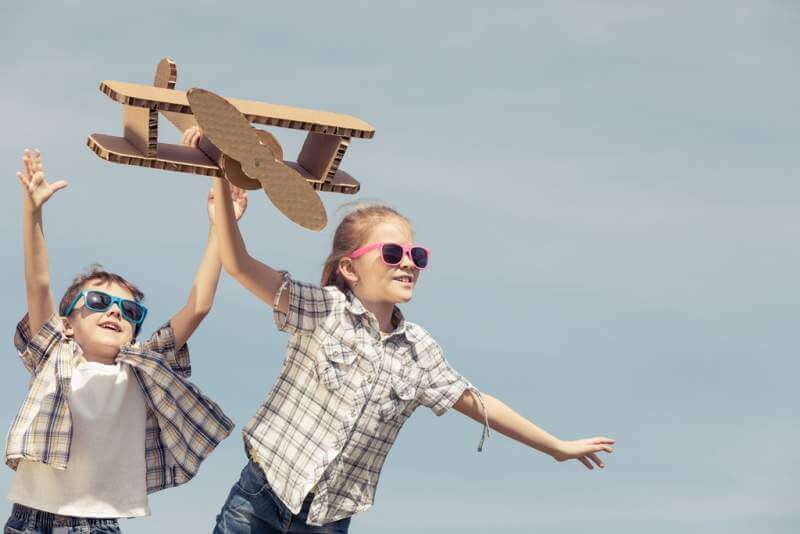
180	107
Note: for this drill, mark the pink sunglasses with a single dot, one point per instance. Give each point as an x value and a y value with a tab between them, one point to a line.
392	254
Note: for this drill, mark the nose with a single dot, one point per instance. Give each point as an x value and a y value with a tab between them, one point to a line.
114	310
407	263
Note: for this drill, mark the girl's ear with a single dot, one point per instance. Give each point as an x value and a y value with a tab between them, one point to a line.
348	272
68	331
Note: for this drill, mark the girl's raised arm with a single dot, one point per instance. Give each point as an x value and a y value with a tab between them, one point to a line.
260	279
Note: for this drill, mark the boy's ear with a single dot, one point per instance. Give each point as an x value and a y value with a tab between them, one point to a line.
68	331
347	270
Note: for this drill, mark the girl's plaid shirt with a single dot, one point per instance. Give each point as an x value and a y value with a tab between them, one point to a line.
341	398
183	425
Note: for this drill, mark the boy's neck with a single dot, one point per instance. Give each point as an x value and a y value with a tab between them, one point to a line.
99	359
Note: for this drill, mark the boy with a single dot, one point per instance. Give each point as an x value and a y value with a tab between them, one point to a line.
106	420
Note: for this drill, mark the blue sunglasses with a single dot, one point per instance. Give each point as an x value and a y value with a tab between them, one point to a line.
131	311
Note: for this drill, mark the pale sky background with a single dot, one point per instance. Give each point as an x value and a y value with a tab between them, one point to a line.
610	191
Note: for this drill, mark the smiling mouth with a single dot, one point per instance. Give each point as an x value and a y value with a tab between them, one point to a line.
405	279
110	326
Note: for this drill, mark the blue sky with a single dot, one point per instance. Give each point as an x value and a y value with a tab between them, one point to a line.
609	190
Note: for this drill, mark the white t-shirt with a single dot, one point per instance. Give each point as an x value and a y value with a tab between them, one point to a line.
106	472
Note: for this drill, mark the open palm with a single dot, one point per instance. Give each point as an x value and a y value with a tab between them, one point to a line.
37	189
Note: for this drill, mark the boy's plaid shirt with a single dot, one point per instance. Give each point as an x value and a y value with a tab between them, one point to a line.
341	398
183	425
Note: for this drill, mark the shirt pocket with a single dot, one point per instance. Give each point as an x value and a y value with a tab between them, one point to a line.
403	390
336	355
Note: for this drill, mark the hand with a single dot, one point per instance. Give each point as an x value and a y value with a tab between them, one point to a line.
191	137
37	189
239	198
584	450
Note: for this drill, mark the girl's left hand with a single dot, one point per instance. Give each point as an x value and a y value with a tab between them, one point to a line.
238	197
584	450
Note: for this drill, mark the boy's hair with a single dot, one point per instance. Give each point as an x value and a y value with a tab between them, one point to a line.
95	272
351	234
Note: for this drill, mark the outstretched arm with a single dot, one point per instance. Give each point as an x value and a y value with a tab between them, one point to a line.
509	423
260	279
36	191
201	297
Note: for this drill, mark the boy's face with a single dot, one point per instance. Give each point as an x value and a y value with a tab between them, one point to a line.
100	334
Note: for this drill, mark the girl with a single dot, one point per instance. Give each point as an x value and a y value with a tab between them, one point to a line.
354	371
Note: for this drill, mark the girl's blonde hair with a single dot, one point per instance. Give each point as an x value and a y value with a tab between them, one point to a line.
351	234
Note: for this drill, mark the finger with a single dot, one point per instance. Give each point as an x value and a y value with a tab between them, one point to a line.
26	161
593	457
585	462
37	160
603	440
187	135
604	448
21	178
57	186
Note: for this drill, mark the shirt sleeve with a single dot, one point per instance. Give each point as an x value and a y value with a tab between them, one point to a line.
163	342
34	350
443	385
308	305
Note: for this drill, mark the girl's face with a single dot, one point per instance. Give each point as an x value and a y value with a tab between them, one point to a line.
374	280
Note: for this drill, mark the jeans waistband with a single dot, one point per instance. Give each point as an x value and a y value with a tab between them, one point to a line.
47	520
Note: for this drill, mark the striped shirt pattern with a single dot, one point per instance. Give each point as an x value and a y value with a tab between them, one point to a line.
341	398
183	425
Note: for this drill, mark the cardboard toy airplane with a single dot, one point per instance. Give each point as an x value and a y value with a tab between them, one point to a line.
250	158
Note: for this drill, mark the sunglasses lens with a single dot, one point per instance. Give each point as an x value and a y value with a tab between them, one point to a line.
132	310
392	254
420	257
97	301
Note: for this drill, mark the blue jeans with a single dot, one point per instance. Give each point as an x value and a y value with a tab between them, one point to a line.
252	508
26	520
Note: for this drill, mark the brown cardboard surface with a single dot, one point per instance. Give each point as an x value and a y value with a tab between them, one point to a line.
325	122
166	78
166	74
230	131
140	128
266	138
340	183
179	158
233	170
169	157
318	154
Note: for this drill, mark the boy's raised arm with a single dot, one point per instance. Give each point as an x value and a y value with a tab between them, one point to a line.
36	191
201	297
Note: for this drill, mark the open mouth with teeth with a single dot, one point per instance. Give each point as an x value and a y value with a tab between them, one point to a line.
111	326
405	279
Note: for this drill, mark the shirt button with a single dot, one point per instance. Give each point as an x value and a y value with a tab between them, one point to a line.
353	413
370	378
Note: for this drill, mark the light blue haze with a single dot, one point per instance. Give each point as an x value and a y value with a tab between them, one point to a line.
610	191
